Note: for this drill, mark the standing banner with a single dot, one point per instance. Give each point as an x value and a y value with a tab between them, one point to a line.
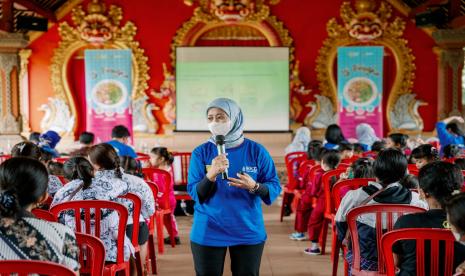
360	88
108	91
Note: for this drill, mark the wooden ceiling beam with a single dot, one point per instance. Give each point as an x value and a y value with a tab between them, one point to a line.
50	15
7	19
423	7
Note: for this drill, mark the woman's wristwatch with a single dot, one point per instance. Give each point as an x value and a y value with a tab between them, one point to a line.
255	188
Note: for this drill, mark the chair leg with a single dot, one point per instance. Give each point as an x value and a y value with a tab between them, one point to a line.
336	247
323	236
346	264
138	261
282	207
152	253
160	238
170	232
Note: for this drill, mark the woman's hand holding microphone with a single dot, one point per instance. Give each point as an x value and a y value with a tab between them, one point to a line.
220	164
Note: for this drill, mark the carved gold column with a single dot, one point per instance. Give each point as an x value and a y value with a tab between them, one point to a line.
24	55
450	64
10	114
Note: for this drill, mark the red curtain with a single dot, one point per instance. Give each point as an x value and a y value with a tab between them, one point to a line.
77	85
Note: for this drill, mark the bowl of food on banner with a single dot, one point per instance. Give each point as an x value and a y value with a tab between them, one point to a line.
360	92
109	94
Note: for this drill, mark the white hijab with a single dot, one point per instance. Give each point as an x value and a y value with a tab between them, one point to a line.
300	141
366	134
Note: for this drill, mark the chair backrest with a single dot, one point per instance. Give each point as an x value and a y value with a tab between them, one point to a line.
348	184
292	168
370	154
327	186
84	207
4	157
303	173
384	222
420	235
412	169
180	167
91	254
63	179
61	159
154	187
44	215
163	180
293	155
136	209
27	267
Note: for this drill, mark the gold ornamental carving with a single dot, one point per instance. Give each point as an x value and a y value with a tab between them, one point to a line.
96	29
366	26
232	19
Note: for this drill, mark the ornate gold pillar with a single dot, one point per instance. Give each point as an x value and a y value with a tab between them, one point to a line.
24	55
10	113
450	64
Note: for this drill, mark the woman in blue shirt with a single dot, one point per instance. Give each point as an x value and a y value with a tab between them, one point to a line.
449	132
228	212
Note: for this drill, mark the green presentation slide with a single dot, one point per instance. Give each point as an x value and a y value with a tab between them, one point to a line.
260	87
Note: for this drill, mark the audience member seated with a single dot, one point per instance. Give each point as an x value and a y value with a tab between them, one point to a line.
378	146
451	151
120	139
410	182
84	185
161	158
366	136
311	218
456	218
449	132
333	136
397	141
424	154
131	166
23	186
55	168
460	162
358	149
389	168
346	150
48	142
361	168
86	140
438	182
34	137
30	150
313	150
106	161
300	141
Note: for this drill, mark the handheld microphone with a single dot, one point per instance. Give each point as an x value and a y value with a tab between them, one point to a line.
219	139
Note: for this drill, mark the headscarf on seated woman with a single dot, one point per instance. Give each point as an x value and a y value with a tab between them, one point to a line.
366	135
235	136
300	142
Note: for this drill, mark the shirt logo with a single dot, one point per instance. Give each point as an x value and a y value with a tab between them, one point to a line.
249	169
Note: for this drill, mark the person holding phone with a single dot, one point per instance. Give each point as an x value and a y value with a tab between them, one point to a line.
228	212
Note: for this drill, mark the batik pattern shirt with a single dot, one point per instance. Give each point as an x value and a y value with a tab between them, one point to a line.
29	238
104	187
54	184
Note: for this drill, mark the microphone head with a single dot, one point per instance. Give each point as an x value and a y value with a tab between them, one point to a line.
219	139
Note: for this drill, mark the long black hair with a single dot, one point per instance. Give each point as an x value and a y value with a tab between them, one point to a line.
426	151
23	181
105	156
334	134
79	168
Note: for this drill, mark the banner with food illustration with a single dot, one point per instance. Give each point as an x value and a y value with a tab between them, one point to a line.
360	88
108	91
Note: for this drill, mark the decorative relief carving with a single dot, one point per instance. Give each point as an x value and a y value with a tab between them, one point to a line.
359	26
57	117
94	29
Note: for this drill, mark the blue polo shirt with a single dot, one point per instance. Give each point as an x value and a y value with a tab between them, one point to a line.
122	149
446	138
232	216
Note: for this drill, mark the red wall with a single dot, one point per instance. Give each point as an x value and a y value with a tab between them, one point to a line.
157	22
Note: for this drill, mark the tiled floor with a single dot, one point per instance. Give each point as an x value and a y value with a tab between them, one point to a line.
281	256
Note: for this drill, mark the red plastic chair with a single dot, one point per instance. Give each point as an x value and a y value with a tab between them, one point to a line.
61	159
43	215
413	169
336	195
27	267
379	210
420	235
137	205
4	157
63	179
330	211
184	158
292	167
151	241
370	154
163	179
86	206
91	254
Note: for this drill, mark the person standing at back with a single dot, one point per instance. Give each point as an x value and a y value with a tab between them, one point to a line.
120	139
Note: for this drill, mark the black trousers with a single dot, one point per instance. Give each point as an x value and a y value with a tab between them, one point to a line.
245	259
